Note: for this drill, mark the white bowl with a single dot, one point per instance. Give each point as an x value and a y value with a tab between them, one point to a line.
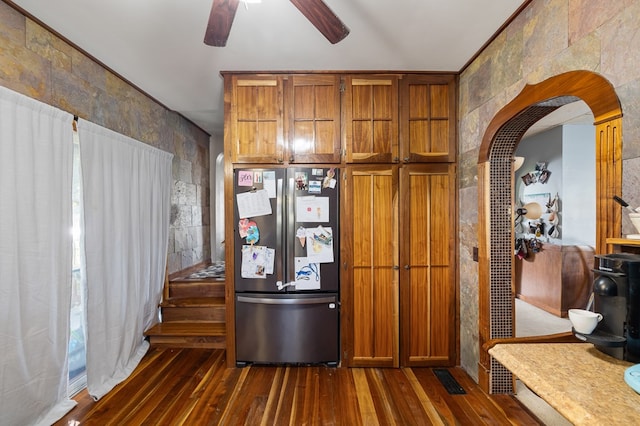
583	321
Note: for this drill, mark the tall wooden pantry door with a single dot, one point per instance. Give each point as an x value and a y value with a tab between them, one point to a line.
370	292
427	265
400	292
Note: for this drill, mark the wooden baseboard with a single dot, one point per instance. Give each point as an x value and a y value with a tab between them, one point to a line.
483	378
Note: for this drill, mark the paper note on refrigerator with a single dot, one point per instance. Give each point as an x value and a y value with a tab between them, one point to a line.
245	178
253	203
312	209
269	182
307	274
257	261
319	244
270	260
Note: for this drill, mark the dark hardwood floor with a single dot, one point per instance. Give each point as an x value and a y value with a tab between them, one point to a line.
194	387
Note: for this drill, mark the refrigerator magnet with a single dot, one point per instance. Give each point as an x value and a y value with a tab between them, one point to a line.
245	178
315	187
329	180
243	226
301	233
302	181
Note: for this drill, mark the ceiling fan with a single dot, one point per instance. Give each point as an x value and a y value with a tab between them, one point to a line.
316	11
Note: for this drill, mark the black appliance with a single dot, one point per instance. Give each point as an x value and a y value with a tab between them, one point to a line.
616	289
287	275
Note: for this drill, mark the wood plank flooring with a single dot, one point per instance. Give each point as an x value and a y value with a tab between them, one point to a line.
194	387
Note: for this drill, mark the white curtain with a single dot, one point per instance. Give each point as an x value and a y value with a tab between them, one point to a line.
126	186
35	259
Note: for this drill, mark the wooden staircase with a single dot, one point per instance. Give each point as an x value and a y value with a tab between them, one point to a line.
193	313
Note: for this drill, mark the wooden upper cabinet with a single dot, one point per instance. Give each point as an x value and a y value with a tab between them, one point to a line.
370	115
428	265
312	107
428	118
254	118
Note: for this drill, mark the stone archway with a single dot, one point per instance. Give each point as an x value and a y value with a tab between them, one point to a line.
495	186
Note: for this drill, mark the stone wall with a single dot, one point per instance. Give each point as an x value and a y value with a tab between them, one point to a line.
548	38
37	63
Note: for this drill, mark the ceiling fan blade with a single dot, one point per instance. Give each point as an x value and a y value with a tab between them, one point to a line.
323	18
220	20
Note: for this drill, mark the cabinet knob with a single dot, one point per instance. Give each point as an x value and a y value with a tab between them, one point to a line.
406	159
407	267
396	267
280	160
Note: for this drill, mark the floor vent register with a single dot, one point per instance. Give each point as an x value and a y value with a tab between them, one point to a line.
449	382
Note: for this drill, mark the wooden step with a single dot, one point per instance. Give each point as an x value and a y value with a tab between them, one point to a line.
193	309
188	335
183	288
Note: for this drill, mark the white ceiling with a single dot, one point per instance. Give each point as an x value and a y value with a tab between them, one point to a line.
158	44
577	112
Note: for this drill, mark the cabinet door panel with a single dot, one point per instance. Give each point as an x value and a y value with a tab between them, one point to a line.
384	104
254	137
372	223
442	315
440	217
383	222
246	99
439	98
362	132
370	106
439	137
325	105
384	308
428	289
314	118
326	135
428	118
420	307
373	313
363	312
254	118
303	102
361	234
419	136
268	103
382	136
362	101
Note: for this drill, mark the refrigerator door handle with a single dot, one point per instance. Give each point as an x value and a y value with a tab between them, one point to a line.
288	301
279	231
289	272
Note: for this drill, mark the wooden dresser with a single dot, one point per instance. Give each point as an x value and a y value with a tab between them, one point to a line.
555	279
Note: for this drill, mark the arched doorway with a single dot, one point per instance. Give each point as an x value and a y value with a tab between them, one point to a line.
495	186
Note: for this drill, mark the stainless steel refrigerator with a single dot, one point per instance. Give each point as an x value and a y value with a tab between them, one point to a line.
287	274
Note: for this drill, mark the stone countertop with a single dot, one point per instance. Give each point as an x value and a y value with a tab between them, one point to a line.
583	384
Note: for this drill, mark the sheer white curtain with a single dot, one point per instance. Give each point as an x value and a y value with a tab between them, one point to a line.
126	187
35	259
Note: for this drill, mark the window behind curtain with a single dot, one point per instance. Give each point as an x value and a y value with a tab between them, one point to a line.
77	352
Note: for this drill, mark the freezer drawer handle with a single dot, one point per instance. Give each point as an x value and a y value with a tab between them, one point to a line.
291	301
